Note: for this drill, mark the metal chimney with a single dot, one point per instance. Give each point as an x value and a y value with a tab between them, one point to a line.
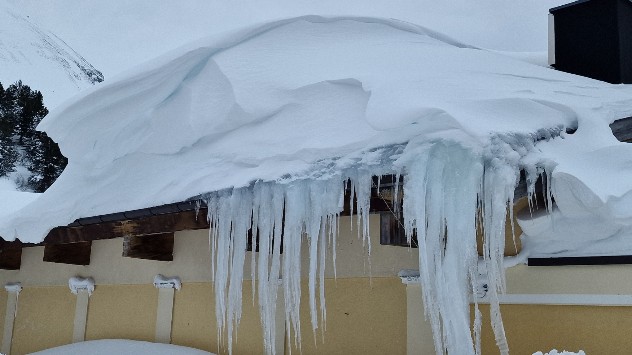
593	38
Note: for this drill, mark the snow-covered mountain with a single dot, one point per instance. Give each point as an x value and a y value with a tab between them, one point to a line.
41	59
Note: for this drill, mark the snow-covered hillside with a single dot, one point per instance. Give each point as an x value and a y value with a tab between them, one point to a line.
41	59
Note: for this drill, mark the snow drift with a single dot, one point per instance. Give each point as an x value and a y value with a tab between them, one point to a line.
121	347
266	124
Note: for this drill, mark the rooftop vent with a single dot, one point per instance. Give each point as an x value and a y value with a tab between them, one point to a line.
593	38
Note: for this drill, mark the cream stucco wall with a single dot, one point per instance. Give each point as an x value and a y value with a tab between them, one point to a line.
365	315
194	321
192	261
122	312
124	302
44	316
531	328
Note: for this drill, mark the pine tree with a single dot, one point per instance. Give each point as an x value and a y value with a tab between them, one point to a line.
21	110
26	108
44	160
8	154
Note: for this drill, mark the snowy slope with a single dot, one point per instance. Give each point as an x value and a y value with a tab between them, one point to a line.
41	60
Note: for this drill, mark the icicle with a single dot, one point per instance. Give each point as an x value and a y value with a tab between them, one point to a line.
499	182
441	189
448	191
396	199
362	184
268	207
321	279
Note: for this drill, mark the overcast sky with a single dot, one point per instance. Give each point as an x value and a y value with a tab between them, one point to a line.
115	35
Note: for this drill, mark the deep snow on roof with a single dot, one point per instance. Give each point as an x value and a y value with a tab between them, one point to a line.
292	99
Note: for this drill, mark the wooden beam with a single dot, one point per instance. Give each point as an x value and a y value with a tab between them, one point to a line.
382	200
150	247
165	223
10	255
392	231
71	253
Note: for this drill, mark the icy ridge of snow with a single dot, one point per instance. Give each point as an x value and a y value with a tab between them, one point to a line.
446	185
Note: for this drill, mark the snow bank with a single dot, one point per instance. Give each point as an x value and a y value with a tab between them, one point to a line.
593	197
275	118
15	200
555	352
121	347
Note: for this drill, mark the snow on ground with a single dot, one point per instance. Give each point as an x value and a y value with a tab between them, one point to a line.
555	352
121	347
281	114
11	198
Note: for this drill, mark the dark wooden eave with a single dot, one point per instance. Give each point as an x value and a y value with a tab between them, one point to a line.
581	260
172	218
71	253
150	225
149	247
622	129
10	255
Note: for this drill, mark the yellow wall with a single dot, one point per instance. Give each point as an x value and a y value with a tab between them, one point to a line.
194	317
122	312
194	321
363	317
124	302
44	319
531	328
513	231
3	309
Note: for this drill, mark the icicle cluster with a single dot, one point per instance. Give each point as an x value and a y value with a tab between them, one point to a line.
451	193
279	217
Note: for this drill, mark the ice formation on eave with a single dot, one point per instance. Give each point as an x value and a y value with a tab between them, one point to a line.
78	283
268	123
